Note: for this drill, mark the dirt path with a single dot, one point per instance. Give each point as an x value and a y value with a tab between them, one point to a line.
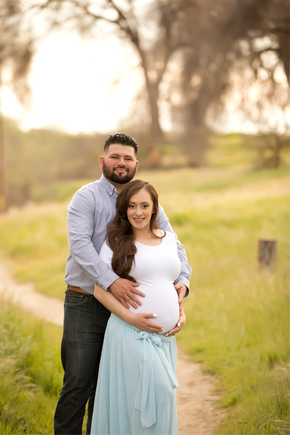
196	397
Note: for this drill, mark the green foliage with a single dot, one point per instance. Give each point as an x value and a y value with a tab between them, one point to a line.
44	165
240	149
35	160
30	373
37	243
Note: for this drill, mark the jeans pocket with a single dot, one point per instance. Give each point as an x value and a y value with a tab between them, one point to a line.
73	298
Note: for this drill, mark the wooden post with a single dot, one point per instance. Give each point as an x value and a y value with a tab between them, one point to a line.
267	252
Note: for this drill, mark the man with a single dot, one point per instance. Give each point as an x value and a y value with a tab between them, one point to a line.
85	319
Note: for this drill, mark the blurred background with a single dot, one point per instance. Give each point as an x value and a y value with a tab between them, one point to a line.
174	74
203	86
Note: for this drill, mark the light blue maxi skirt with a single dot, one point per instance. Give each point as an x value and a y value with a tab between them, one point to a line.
136	385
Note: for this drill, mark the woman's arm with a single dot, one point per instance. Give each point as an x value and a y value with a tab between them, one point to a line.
139	321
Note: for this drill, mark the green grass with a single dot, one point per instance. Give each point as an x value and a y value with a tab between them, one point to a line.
36	240
57	191
238	149
237	315
30	373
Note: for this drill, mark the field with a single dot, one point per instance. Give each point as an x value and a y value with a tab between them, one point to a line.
30	373
237	314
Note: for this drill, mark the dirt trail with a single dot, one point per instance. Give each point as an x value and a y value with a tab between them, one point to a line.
196	397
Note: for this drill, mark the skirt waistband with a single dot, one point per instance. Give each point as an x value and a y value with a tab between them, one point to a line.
117	319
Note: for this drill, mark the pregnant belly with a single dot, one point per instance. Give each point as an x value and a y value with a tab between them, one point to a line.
161	298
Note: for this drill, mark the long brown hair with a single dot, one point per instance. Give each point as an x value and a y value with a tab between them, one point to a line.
120	236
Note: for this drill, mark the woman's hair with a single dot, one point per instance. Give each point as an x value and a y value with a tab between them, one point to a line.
120	236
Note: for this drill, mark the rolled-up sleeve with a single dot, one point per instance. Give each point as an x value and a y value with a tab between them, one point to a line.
185	273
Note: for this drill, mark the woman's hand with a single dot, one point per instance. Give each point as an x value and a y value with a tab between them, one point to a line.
179	325
140	321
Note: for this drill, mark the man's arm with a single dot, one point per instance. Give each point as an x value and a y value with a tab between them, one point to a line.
185	273
80	223
179	325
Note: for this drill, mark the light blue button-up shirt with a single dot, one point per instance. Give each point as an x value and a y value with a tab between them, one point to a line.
91	209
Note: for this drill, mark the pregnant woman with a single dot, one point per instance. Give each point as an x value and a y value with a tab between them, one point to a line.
137	375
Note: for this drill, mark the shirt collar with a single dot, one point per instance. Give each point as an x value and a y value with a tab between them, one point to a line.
109	187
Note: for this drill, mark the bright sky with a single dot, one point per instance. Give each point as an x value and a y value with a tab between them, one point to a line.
87	86
72	82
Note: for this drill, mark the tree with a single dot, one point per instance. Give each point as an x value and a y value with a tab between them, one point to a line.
241	40
16	46
15	58
204	39
127	18
264	59
263	95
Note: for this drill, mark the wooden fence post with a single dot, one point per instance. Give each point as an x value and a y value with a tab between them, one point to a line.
267	252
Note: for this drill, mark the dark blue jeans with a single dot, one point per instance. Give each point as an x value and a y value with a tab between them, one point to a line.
85	320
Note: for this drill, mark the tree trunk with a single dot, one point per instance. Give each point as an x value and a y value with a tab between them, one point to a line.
152	88
283	51
2	162
153	94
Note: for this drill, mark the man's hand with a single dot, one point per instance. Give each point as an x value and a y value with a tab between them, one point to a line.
181	290
140	321
125	291
179	325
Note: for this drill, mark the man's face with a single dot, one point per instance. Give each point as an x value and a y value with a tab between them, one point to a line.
119	163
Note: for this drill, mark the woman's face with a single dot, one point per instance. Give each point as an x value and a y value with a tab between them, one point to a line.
140	210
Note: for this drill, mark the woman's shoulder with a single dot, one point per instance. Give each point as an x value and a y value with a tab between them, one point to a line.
168	235
159	233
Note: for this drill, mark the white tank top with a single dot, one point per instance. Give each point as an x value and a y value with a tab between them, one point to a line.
155	268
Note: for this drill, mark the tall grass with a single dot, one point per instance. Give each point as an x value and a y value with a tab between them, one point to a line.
238	315
30	373
35	239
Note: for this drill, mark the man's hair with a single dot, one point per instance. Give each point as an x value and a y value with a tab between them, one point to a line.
121	138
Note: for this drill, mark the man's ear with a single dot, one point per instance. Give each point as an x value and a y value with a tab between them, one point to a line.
137	164
101	162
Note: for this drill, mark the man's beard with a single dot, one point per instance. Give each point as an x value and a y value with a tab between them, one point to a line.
118	178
